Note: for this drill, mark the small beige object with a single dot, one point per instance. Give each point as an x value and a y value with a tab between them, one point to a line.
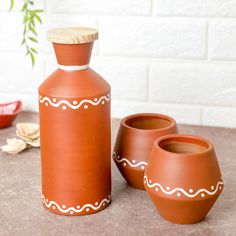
34	143
72	35
14	146
28	131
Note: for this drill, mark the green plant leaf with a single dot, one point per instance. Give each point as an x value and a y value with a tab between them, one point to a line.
33	39
30	36
24	7
23	41
12	2
31	21
38	11
32	59
33	50
38	18
25	19
33	30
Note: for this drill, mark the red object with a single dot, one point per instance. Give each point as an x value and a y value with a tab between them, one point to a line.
8	113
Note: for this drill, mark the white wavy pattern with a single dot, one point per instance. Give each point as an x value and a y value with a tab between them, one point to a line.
201	191
75	105
73	210
124	160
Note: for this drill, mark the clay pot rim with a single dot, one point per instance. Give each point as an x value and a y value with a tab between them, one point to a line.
188	136
156	115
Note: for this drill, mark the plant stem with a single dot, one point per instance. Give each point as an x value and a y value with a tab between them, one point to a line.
30	18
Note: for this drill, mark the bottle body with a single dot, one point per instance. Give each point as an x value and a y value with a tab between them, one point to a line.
75	142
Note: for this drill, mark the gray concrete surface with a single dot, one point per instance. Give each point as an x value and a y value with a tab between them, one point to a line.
131	211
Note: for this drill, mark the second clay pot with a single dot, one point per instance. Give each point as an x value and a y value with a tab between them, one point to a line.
134	143
183	178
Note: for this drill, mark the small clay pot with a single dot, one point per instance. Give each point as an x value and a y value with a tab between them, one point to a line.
183	178
134	143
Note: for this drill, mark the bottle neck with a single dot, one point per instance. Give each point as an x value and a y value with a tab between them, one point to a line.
73	54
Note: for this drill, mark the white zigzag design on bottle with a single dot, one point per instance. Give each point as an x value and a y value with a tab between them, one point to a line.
181	190
74	105
73	210
124	160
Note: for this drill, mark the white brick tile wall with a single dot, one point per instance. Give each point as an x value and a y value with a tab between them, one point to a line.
176	57
150	37
117	7
128	79
10	33
5	4
218	116
199	84
19	77
181	113
222	38
195	7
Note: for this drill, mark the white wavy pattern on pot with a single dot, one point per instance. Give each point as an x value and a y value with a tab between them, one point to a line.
181	190
73	210
124	160
75	104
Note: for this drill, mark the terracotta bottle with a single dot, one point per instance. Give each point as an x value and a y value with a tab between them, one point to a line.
74	105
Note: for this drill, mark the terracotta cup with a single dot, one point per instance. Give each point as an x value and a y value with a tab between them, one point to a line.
134	143
183	178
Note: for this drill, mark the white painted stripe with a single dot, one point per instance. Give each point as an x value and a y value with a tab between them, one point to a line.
116	158
202	190
94	102
73	210
72	68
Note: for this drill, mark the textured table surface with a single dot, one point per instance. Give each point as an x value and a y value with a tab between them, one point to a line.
131	211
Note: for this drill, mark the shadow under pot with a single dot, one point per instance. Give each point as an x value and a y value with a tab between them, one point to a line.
183	178
134	142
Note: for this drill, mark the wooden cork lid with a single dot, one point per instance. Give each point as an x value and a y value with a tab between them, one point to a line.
72	35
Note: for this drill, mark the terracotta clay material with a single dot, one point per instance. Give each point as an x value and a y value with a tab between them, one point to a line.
8	113
75	133
134	143
183	178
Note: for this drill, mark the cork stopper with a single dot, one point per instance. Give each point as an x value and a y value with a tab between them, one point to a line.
72	35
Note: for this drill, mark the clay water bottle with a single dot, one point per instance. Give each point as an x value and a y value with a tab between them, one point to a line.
74	104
